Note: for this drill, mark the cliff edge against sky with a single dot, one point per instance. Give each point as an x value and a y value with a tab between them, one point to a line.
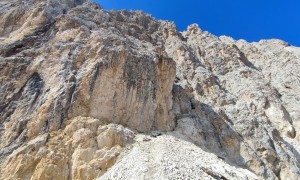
87	93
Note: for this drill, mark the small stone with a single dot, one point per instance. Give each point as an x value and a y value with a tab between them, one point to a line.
155	133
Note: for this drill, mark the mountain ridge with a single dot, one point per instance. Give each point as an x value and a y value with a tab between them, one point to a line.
84	90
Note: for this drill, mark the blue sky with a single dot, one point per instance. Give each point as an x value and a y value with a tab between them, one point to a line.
251	20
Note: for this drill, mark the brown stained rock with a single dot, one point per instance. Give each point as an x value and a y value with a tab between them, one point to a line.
85	149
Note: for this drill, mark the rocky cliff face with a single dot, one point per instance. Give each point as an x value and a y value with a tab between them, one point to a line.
87	93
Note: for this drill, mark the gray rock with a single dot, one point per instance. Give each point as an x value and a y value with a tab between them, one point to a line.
61	61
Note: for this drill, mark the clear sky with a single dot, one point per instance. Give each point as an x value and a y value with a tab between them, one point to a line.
251	20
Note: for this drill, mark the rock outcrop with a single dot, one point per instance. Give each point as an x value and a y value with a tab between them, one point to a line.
87	93
85	149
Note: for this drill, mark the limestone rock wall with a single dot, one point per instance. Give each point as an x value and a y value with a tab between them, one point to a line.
83	90
230	101
85	149
72	65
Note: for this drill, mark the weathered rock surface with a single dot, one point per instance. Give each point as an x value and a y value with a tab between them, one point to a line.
85	149
81	87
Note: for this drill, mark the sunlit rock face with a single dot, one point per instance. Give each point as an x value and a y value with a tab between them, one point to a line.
87	93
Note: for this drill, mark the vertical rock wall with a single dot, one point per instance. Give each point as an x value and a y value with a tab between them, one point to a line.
80	85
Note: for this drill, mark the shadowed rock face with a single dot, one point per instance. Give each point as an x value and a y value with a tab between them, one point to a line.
80	85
